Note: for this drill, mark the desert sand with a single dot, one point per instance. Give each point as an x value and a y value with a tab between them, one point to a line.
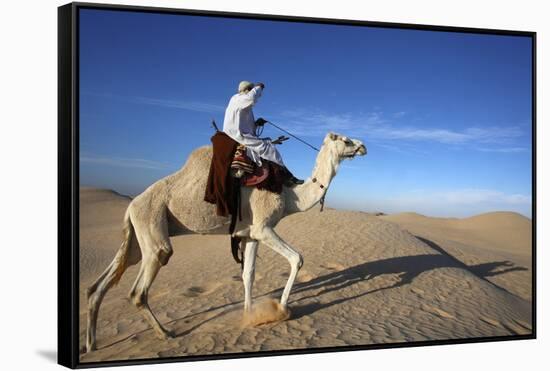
366	279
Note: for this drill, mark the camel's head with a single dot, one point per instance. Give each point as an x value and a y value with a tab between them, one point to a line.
347	148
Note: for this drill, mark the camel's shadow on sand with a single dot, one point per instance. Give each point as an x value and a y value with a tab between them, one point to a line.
407	268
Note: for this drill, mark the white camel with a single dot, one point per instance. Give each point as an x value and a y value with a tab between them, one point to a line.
174	205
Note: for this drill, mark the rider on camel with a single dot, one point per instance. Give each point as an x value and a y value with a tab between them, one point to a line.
239	124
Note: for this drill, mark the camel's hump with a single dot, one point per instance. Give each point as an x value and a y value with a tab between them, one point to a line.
199	158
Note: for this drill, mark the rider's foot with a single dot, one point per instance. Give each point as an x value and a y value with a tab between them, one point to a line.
293	181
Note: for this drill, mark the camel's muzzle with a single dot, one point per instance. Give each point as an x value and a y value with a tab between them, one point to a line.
361	150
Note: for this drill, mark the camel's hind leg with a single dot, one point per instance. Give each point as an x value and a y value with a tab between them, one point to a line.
96	292
150	266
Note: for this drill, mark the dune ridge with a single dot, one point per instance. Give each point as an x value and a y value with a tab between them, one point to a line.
481	239
366	279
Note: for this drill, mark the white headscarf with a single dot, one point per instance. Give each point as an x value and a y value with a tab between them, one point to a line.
244	85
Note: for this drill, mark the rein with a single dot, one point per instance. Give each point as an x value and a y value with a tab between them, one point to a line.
294	136
314	180
354	152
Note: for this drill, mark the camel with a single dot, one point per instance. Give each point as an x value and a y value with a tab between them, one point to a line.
174	205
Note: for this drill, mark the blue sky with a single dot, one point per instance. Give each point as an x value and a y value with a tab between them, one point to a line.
446	117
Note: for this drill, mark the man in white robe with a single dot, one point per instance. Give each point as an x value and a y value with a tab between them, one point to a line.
239	124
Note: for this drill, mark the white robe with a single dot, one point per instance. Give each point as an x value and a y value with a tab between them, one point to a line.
239	124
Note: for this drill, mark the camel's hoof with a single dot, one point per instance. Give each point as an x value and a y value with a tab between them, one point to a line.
89	348
166	335
265	312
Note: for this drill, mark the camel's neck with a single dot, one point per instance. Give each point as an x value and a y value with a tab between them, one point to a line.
303	197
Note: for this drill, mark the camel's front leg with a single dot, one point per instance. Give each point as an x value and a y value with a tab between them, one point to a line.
251	247
268	236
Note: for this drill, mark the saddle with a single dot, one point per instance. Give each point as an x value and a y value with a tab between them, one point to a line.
246	170
230	169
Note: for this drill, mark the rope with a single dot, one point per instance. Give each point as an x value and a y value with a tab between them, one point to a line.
294	136
259	130
322	200
215	126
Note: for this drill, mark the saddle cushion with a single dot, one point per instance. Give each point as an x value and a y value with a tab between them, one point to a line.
277	177
258	176
241	161
270	176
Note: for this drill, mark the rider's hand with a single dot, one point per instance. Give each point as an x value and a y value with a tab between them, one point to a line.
279	140
260	122
261	84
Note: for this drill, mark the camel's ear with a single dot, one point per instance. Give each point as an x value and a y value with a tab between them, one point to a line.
332	136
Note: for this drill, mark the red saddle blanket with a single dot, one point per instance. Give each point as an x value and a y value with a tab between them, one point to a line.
258	176
270	176
222	188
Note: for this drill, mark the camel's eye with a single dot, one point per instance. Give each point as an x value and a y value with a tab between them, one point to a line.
348	141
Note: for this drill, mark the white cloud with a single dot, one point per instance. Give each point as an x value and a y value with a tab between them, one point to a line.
124	162
475	196
186	105
448	203
504	150
318	123
415	134
170	103
399	114
376	127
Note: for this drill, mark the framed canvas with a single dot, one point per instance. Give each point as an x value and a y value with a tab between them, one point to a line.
243	185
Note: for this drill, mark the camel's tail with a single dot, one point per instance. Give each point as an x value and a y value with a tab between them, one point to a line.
121	257
120	262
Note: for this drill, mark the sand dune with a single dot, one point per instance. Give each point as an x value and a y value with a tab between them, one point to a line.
365	280
506	231
480	240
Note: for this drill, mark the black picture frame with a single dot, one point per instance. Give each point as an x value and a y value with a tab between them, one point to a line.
68	181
